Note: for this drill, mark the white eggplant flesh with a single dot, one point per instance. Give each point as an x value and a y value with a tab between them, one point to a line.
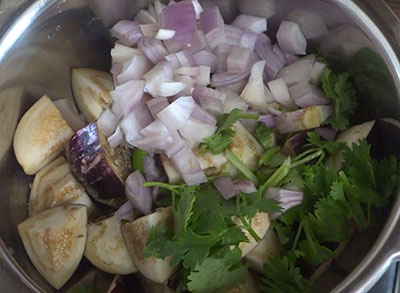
250	286
55	240
267	248
136	234
172	173
41	136
55	185
91	90
106	248
260	224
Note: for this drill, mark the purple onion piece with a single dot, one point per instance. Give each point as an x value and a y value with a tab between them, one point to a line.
138	195
225	186
188	166
326	133
245	186
127	32
268	120
291	39
125	212
287	199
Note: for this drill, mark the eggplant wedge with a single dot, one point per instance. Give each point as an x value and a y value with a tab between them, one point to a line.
136	234
260	224
41	136
106	249
91	90
55	185
100	169
267	248
55	240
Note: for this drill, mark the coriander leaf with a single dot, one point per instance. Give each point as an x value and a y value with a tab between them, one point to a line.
252	203
291	216
218	274
331	147
285	233
315	258
295	178
282	277
339	89
264	135
272	158
386	176
219	141
183	210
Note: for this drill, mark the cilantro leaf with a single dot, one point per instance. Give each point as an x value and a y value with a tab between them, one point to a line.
315	257
264	135
272	158
252	203
282	277
339	89
218	274
285	233
386	176
331	147
183	210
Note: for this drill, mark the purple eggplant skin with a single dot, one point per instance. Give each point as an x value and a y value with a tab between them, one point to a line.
99	169
295	144
385	138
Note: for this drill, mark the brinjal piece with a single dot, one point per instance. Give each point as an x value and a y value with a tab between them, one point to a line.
91	90
136	234
41	136
106	249
55	240
55	185
99	168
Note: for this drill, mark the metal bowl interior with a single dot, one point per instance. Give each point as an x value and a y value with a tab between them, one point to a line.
49	37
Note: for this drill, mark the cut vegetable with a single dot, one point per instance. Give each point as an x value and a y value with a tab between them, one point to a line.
91	90
99	168
136	234
41	136
106	249
291	39
55	185
55	240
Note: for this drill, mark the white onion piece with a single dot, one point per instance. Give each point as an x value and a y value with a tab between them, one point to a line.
188	166
260	8
245	186
197	8
159	6
203	116
239	60
125	212
199	42
180	17
195	131
145	17
311	24
121	53
173	46
116	70
291	39
149	30
226	78
170	88
222	53
303	119
316	73
116	139
152	173
248	39
236	87
142	112
126	96
107	123
200	74
70	114
156	105
164	34
273	63
253	23
155	137
160	73
181	58
177	114
209	99
138	195
298	71
154	49
131	128
255	91
212	25
281	94
287	199
233	101
225	186
305	94
134	69
127	32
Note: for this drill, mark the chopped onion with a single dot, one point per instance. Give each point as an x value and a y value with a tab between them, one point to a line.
195	131
245	186
201	74
131	128
127	32
291	58
159	6
177	114
239	60
226	78
121	53
291	39
253	23
209	99
198	8
268	120
298	71
188	166
138	195
164	34
181	58
212	25
145	17
159	81
70	113
153	49
156	105
281	94
233	35
233	101
126	96
273	63
236	87
170	88
142	112
134	69
107	123
155	137
203	116
116	139
149	30
125	212
316	73
199	42
305	94
115	70
248	39
225	186
151	171
173	46
287	199
327	133
181	18
311	24
152	11
260	8
222	53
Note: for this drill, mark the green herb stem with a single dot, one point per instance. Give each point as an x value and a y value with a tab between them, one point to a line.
235	161
249	116
172	188
248	227
278	175
307	159
296	239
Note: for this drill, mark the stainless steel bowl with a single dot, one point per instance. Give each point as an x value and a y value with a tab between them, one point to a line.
42	40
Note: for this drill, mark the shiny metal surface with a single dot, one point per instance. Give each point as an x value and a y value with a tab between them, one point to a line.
40	43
